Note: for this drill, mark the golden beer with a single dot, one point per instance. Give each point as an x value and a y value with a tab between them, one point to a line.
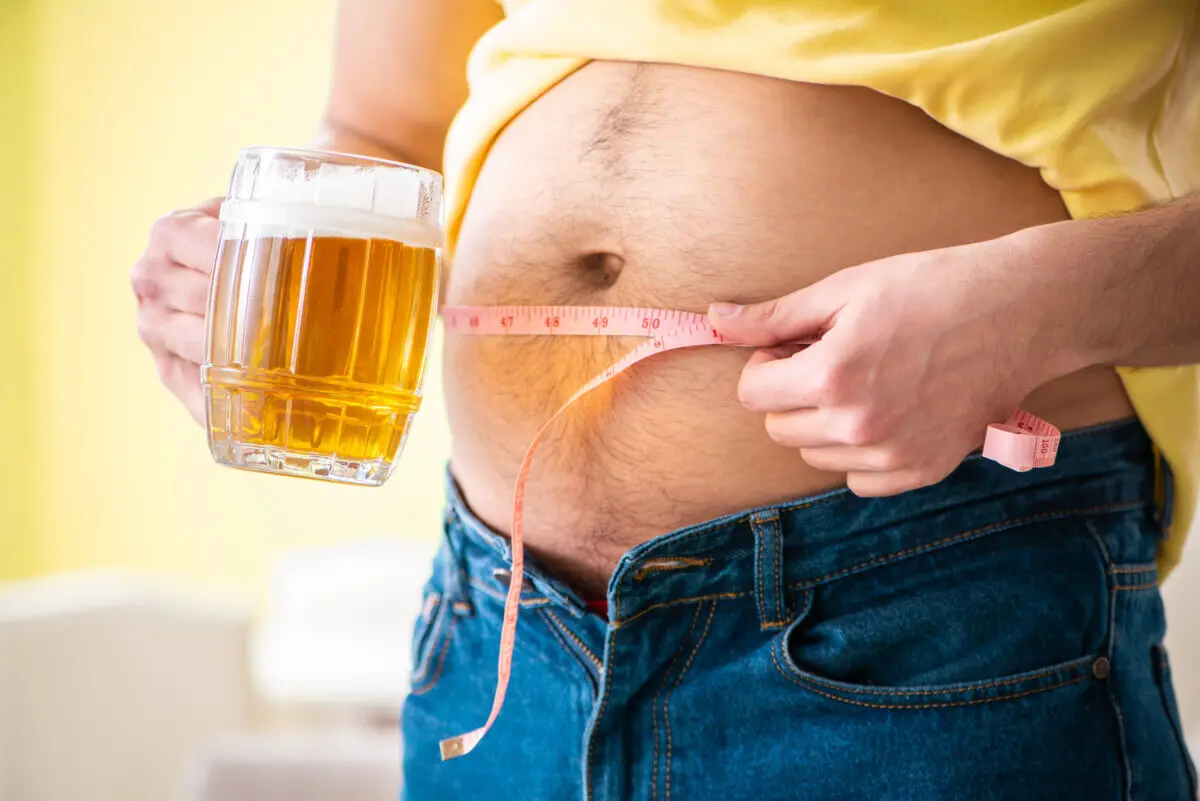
320	313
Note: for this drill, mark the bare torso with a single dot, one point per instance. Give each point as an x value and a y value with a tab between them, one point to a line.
649	185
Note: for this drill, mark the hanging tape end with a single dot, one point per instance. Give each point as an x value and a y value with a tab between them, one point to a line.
458	746
452	747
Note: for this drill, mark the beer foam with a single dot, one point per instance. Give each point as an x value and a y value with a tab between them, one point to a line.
292	218
293	192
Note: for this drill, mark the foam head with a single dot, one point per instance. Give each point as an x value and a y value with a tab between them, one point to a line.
337	194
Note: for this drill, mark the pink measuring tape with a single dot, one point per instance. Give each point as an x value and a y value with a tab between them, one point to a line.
1021	443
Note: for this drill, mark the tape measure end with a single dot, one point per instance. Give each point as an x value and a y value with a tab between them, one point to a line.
452	747
463	744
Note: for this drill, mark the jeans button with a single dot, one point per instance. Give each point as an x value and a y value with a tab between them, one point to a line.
1100	668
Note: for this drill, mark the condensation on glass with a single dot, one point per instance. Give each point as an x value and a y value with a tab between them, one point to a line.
319	313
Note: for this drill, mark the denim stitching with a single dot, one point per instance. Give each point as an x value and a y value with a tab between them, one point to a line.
1142	568
575	639
422	640
988	529
606	678
802	607
437	674
428	645
711	613
1011	696
616	624
1163	680
759	523
430	606
617	604
779	604
780	611
654	705
1111	636
758	593
712	610
943	691
1127	587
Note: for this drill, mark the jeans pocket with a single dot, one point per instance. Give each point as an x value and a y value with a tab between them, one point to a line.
1162	675
1018	612
434	625
430	638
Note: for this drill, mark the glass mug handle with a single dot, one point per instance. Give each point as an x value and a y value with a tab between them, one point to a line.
320	312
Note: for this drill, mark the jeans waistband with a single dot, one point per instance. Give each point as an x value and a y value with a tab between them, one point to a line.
801	543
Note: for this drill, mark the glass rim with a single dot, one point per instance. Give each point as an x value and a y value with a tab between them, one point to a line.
324	155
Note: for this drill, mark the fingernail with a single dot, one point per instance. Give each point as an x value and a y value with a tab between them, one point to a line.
724	309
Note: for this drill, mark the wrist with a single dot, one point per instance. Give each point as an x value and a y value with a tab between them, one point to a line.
1076	283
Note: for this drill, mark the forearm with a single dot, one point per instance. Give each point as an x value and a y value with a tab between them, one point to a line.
1125	291
399	75
339	137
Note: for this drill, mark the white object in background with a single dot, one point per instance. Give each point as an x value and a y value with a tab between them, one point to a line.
1181	596
109	682
339	624
318	765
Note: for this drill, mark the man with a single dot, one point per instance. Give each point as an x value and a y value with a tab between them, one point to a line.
783	575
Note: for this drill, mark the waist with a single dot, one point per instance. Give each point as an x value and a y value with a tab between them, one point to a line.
657	186
1102	470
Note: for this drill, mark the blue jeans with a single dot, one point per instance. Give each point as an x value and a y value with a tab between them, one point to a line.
998	635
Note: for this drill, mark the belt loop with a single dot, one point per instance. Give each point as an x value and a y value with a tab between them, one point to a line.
768	570
454	570
1166	494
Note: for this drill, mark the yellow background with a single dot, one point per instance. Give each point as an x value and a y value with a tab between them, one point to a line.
16	388
112	114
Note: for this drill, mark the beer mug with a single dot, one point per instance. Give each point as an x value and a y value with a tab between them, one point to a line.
319	313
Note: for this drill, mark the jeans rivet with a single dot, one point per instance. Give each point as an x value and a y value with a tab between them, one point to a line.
464	608
504	576
1100	668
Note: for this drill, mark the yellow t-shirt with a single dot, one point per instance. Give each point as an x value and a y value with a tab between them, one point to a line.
1103	96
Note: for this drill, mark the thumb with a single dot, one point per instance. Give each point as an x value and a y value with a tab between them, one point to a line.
212	206
799	317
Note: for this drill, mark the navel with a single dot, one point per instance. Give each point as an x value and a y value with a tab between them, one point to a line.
603	268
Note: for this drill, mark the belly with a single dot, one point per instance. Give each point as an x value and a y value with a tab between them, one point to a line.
672	187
